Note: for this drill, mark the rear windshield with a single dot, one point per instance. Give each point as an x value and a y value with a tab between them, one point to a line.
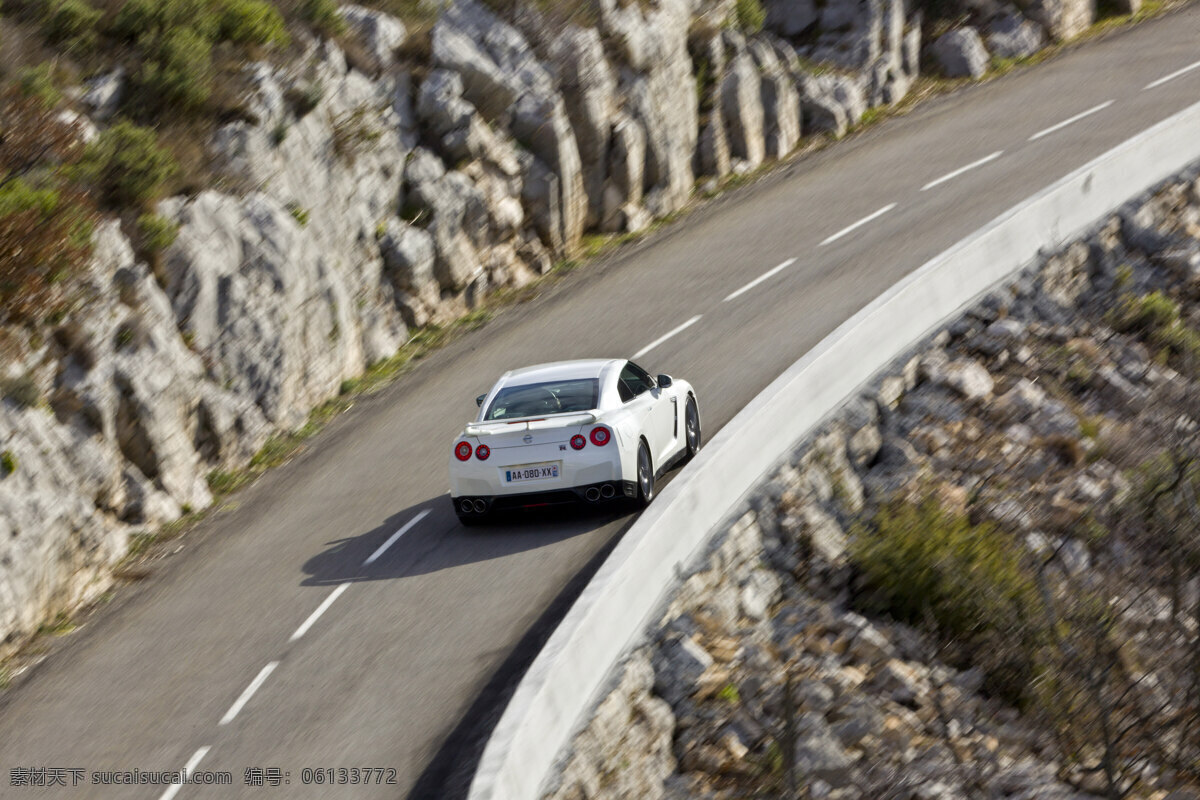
537	399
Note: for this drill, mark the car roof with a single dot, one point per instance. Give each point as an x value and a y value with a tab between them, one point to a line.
559	371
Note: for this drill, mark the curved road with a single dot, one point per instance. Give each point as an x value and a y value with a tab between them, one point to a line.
298	631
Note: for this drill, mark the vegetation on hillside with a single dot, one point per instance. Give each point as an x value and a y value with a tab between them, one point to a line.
46	216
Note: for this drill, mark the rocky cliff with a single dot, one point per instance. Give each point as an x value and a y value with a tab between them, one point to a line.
1025	485
363	194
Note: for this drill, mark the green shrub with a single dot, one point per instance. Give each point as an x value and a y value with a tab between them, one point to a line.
145	21
299	213
252	22
927	566
17	196
45	220
38	82
70	22
155	232
1147	313
177	71
749	15
1156	317
8	463
127	166
323	15
922	562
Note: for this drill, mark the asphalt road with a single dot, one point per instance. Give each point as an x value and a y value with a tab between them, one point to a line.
201	662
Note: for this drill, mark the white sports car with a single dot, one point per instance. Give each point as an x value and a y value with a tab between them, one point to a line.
572	431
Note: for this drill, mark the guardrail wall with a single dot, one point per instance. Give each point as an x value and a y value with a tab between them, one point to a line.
614	609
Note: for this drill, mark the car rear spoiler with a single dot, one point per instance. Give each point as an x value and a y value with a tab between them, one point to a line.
530	423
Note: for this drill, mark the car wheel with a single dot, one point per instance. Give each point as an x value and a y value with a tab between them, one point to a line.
691	429
645	476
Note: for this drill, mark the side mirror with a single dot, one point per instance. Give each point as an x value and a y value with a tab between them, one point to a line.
479	400
664	381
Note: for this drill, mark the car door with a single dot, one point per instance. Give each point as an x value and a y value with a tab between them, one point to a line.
653	408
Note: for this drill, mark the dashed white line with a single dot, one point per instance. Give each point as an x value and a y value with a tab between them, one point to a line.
174	788
250	690
765	276
952	175
1070	121
321	609
857	225
392	540
1172	76
667	335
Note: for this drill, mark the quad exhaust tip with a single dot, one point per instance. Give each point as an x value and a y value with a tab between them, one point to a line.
592	494
480	506
465	505
607	491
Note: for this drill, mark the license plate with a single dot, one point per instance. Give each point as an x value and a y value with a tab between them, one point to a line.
531	472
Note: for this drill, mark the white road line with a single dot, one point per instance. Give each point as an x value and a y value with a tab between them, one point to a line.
250	690
321	609
392	540
174	788
1070	121
952	175
666	336
857	225
760	279
1172	76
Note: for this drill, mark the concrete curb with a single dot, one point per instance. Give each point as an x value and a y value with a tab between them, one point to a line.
614	609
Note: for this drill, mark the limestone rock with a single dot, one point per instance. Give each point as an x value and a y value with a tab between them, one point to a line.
660	92
791	17
831	102
235	274
1063	19
381	33
1013	36
589	89
780	101
104	93
960	53
969	378
819	754
408	258
495	61
742	108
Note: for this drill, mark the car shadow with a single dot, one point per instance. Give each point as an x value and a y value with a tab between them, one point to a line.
438	541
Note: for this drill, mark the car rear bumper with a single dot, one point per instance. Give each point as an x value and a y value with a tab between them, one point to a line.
591	494
577	470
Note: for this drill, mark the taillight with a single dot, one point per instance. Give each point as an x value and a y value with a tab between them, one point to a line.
482	452
600	436
578	442
462	450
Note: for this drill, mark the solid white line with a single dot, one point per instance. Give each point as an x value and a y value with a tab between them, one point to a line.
394	537
174	788
666	336
760	279
857	225
952	175
1073	119
1172	76
321	609
250	690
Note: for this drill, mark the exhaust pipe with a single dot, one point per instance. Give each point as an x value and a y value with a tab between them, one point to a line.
607	491
592	494
480	506
465	505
